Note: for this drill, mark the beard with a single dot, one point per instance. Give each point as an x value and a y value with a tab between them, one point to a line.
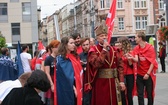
77	44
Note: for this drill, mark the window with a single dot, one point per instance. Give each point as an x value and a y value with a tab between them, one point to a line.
138	22
143	3
144	22
141	22
102	3
3	9
108	3
26	11
140	3
137	4
161	4
119	3
3	12
162	22
15	28
121	23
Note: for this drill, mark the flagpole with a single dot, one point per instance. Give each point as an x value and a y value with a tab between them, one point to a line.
92	19
75	28
57	26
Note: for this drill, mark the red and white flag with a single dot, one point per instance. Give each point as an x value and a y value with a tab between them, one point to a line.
110	19
40	45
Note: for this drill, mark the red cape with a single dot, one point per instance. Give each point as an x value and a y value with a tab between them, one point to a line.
149	53
78	76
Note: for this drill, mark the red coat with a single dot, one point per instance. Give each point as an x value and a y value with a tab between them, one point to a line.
103	89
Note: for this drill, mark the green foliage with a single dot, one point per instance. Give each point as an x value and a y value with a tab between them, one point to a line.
2	41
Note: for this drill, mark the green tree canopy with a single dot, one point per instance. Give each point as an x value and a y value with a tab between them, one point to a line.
2	41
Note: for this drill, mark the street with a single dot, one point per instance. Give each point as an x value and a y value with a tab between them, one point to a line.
161	97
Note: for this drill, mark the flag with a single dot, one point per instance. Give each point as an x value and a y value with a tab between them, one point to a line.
110	19
55	85
40	45
18	60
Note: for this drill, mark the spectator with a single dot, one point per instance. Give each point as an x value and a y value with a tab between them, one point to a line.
7	66
48	52
83	59
7	86
33	61
144	54
77	38
49	65
162	55
92	41
125	47
69	74
28	95
40	59
26	58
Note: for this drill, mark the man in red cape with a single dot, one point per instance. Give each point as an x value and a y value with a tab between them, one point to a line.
104	74
146	69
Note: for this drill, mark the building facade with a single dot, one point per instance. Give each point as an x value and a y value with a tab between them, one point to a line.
43	32
131	17
19	22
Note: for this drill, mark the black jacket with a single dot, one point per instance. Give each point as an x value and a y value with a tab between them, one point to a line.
22	96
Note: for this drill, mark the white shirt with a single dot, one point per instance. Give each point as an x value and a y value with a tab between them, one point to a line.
7	86
25	57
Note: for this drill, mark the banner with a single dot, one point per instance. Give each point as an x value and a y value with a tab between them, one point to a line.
110	19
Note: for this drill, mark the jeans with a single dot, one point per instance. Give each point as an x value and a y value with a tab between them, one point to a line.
129	86
148	86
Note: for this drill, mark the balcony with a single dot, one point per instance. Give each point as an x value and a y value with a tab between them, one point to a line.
102	12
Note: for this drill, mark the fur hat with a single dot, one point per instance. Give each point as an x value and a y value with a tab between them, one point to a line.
101	29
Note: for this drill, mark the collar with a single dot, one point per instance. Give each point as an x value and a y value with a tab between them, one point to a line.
101	45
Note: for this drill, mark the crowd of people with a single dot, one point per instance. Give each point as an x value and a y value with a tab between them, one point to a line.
84	71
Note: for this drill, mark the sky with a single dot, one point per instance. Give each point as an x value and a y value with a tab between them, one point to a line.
48	7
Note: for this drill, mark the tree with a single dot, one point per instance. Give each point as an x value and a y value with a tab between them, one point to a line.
2	41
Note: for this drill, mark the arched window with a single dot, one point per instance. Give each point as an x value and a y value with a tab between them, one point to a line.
162	22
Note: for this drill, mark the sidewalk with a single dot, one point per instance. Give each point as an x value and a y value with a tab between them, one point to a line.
161	97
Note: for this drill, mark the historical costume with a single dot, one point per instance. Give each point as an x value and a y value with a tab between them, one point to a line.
104	72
